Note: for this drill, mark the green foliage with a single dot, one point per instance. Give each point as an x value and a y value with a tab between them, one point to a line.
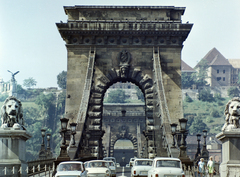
188	99
20	90
198	125
61	102
3	97
117	96
214	113
187	80
29	83
205	95
201	76
62	79
209	119
140	94
233	92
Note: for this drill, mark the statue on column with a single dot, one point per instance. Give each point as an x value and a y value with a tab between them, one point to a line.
232	113
13	84
12	113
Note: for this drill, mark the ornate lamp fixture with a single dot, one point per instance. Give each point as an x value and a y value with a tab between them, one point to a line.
49	153
174	129
205	153
73	132
42	153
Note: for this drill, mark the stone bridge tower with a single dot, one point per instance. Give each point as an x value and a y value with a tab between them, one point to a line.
138	44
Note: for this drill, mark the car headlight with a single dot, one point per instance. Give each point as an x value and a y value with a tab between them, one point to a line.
108	173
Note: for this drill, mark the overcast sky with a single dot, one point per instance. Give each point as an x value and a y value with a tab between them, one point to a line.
30	42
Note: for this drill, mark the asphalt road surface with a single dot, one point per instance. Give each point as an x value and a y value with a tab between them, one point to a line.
123	172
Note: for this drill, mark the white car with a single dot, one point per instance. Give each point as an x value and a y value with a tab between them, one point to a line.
112	168
110	159
117	165
98	168
71	168
166	166
131	161
141	167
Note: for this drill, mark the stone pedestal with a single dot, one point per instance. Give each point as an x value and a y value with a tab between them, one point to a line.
230	165
13	151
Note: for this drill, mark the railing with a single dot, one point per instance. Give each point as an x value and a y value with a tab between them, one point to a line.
124	25
43	167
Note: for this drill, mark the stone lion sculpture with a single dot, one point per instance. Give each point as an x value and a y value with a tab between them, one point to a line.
12	113
232	113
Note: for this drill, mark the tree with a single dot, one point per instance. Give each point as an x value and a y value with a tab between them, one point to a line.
117	96
187	80
233	92
62	80
198	126
47	106
30	82
201	76
205	95
140	94
188	99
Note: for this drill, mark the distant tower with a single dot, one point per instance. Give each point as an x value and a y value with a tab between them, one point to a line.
13	85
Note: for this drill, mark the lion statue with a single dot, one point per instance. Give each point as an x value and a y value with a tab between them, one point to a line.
12	113
232	113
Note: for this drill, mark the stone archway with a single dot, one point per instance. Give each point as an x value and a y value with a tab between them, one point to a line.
139	44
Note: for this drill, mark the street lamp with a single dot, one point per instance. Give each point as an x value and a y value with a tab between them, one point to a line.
198	154
49	153
42	152
73	132
174	129
205	153
64	122
183	125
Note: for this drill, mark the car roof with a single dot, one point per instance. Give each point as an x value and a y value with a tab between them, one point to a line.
79	162
98	161
166	158
143	159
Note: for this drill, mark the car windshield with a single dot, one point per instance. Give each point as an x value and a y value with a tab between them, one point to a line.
97	164
168	163
68	175
70	167
111	164
143	162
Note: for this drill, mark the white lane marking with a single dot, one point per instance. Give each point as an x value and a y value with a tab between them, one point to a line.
123	173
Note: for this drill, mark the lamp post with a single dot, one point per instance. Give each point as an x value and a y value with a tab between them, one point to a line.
204	153
63	156
174	129
183	153
73	132
198	154
42	153
49	153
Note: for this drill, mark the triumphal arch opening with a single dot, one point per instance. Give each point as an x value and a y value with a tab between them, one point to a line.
137	44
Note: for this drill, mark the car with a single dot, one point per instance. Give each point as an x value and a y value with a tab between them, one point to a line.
110	159
98	168
141	167
166	166
127	165
71	168
112	167
117	165
131	161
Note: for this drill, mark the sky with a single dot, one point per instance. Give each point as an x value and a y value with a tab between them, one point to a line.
30	42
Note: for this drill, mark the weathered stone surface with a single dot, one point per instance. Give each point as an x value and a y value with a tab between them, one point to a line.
110	30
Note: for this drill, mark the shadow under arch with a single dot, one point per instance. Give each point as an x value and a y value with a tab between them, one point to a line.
100	83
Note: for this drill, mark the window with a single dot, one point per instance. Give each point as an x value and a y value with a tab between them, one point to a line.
224	71
218	71
223	78
218	78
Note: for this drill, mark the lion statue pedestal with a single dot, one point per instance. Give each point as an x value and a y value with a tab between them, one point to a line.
230	138
13	137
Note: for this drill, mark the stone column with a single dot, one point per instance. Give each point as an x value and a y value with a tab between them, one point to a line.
230	165
13	151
